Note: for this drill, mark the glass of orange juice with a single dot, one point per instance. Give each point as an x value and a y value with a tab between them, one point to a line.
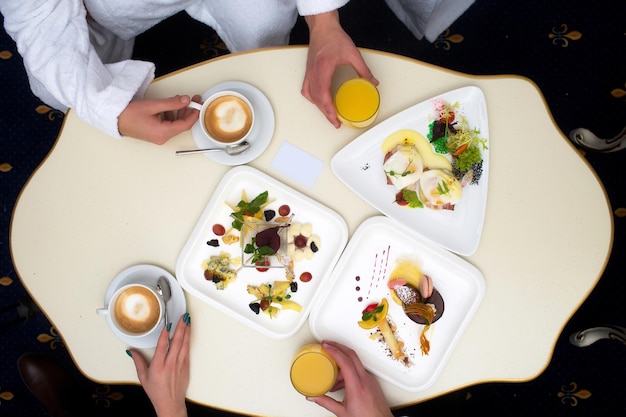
313	371
357	102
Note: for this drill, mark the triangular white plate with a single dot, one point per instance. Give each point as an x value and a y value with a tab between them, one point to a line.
360	166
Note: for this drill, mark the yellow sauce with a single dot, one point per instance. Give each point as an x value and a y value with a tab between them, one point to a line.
430	158
408	271
357	102
313	371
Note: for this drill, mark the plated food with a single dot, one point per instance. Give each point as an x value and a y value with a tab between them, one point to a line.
426	167
431	173
261	251
400	301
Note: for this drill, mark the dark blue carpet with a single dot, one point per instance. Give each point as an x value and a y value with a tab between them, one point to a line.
573	50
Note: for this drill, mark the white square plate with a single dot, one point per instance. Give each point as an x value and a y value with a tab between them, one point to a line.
360	278
360	166
234	299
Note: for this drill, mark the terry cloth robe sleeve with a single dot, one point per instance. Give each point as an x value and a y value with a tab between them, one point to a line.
428	18
61	57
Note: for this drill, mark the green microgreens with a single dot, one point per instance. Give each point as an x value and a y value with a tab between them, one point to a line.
442	188
393	173
411	197
372	315
258	253
458	136
248	208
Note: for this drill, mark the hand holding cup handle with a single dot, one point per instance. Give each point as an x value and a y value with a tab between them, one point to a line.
194	105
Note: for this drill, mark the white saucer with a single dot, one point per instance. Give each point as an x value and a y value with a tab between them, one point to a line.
148	275
262	130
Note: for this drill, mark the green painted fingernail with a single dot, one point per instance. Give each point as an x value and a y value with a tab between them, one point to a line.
186	317
129	353
168	327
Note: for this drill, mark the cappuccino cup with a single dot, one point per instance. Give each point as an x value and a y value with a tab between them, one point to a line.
226	117
134	310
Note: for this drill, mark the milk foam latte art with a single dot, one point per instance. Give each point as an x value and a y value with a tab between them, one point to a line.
227	117
136	309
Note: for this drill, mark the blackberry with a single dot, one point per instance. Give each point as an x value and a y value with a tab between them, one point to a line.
269	215
256	307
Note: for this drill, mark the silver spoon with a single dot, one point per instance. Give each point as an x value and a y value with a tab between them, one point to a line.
231	150
166	292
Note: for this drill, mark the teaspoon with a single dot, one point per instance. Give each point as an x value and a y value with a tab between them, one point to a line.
230	150
163	287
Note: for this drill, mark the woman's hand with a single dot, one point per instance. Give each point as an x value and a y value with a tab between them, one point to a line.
363	397
159	120
167	378
329	47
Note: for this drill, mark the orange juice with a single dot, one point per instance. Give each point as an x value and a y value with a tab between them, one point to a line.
357	102
313	371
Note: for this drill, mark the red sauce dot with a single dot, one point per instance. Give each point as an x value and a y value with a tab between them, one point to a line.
306	277
218	229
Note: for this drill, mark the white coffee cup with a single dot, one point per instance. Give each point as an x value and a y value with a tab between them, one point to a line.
134	310
226	117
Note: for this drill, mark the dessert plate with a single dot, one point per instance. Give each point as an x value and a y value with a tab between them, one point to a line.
360	278
360	166
235	300
148	275
262	130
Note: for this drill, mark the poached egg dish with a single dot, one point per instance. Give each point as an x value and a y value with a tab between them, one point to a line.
403	166
439	189
422	177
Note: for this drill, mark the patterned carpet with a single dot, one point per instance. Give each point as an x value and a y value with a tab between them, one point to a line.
572	50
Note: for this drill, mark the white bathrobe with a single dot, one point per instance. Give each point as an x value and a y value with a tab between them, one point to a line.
73	62
85	65
428	18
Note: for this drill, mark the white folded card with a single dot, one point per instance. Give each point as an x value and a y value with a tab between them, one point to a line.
297	164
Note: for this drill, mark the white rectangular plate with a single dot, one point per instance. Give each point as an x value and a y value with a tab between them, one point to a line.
360	166
360	278
234	299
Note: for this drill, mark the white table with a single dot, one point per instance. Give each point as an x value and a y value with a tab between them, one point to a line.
98	205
